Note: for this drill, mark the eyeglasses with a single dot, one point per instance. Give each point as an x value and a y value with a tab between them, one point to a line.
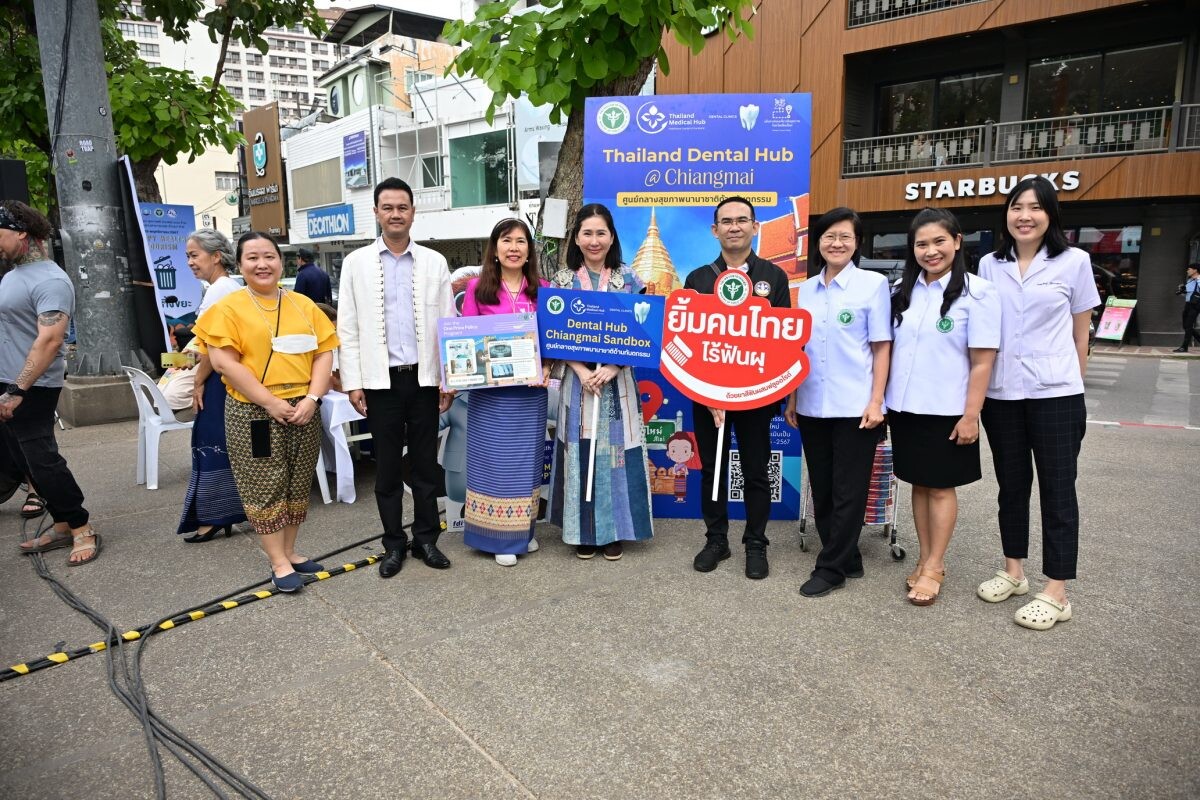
732	222
835	238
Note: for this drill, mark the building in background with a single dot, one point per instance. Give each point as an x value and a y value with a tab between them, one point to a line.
949	103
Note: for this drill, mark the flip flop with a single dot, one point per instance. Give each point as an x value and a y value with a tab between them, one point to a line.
80	548
39	506
56	541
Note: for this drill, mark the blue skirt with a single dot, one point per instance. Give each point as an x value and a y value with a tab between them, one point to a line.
506	442
212	497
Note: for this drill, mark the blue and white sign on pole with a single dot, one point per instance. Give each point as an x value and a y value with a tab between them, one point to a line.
604	327
330	222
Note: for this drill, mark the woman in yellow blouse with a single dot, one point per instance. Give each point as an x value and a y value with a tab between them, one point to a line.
274	351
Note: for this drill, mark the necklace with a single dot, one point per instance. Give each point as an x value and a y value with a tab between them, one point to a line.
254	299
513	296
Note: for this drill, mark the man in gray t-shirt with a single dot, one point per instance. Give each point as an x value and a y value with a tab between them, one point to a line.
36	304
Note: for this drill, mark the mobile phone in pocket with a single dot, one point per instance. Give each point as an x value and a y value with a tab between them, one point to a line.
260	438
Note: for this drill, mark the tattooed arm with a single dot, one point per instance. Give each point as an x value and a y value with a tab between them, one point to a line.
52	329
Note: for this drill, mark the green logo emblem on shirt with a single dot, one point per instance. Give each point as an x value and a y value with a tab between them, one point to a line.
845	316
945	325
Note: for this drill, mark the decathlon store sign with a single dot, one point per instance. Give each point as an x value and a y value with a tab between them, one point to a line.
986	186
332	221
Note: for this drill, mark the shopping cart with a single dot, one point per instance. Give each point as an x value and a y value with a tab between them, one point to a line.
881	501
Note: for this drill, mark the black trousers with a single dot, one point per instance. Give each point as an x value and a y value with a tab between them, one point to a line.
839	456
1190	312
407	413
753	428
1045	433
29	437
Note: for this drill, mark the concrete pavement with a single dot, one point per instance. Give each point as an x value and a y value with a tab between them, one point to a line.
562	678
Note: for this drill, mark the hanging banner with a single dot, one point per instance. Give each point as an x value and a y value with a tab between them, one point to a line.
164	230
603	327
661	164
354	160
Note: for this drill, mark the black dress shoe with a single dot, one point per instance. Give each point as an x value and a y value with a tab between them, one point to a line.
756	563
714	552
430	554
818	586
391	563
856	572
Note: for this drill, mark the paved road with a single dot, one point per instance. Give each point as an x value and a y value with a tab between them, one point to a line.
561	678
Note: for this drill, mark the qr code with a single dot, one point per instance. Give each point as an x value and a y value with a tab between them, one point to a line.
737	486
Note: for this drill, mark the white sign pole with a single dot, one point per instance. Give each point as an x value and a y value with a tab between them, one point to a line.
717	462
592	454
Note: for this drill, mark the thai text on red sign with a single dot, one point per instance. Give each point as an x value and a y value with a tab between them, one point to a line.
731	349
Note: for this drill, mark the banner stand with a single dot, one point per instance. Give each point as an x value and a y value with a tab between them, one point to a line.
717	460
592	450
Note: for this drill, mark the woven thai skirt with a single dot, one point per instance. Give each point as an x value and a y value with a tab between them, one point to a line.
275	490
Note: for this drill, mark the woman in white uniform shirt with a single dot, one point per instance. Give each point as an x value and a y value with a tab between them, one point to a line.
1034	412
946	328
839	407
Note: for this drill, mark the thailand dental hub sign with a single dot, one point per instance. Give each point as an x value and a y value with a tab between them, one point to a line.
331	222
986	186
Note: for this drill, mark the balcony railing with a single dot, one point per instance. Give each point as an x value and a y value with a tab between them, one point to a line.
868	12
1143	130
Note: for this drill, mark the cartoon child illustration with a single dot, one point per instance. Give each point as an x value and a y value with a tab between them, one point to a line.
681	449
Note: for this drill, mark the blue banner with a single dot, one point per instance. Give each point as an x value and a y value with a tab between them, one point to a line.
661	164
165	229
354	160
333	221
603	327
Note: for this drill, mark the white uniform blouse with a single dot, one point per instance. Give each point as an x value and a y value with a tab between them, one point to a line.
931	362
854	310
1037	357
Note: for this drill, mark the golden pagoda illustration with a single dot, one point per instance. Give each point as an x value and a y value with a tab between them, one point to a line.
653	263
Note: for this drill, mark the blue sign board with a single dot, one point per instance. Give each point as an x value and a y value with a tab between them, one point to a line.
354	160
604	327
330	222
165	229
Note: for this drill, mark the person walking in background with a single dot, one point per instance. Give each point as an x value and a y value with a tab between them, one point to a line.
274	351
36	304
211	505
393	291
506	426
1034	413
735	227
946	325
311	280
1190	290
839	407
620	506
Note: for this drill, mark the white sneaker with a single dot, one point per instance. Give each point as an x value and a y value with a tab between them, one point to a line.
533	546
506	560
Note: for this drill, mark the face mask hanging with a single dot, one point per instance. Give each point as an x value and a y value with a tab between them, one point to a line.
294	343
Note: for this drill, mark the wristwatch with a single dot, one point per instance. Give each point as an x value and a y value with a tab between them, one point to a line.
14	390
314	398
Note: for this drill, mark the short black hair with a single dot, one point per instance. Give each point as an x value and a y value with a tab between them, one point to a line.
732	199
1055	241
306	254
253	236
816	262
392	185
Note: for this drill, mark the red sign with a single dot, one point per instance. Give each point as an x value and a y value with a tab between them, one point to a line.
732	349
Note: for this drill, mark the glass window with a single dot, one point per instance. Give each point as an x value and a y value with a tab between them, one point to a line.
479	166
233	58
431	171
970	99
1116	258
233	74
255	75
227	181
1143	77
906	107
254	59
1060	87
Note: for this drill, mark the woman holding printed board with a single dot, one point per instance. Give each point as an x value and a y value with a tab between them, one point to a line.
946	325
619	507
506	426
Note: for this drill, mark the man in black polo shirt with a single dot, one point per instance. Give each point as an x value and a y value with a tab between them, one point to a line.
735	228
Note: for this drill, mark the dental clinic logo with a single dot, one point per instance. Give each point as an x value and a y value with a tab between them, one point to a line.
578	306
555	305
748	115
641	312
259	151
613	117
650	119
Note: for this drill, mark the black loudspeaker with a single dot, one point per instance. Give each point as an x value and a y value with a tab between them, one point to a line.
13	185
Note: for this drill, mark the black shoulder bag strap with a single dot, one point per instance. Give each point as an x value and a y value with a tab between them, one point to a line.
278	314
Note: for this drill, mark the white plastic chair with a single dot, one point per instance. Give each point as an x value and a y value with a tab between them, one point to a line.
154	417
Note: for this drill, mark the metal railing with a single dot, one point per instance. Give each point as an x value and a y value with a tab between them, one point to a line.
868	12
1143	130
914	152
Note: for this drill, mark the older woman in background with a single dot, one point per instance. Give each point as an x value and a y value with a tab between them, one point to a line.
274	351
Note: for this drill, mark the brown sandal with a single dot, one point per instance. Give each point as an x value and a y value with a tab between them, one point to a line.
916	573
930	575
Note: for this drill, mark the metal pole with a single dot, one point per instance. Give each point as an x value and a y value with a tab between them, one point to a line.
89	191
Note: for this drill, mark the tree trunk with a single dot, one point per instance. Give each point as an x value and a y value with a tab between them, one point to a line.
144	181
567	182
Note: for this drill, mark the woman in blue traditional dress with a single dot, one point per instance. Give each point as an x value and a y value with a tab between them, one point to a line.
619	509
212	504
506	426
